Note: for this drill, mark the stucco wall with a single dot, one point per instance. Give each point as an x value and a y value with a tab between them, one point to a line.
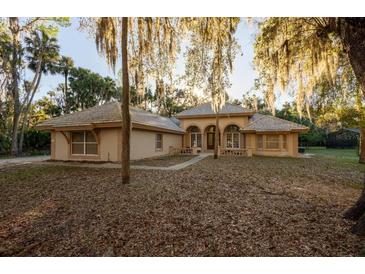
204	123
109	148
143	143
61	147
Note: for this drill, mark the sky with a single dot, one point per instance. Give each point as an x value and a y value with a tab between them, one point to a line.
82	49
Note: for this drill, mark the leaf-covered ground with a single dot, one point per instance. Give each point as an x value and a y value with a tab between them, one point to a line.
163	161
226	207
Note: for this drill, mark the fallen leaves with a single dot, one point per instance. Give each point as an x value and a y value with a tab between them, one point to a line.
227	207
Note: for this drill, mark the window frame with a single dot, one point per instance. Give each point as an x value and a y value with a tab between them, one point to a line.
284	143
272	142
197	135
84	143
159	141
231	134
258	141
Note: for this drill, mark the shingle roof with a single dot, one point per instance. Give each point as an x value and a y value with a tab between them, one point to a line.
259	122
108	113
206	109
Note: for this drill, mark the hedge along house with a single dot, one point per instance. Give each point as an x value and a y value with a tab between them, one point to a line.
241	131
95	134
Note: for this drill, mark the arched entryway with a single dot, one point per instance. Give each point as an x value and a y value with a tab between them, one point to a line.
195	136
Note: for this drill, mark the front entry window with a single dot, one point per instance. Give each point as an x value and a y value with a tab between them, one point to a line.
232	137
195	136
196	139
83	143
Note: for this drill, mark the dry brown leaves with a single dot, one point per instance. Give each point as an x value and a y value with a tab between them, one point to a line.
225	207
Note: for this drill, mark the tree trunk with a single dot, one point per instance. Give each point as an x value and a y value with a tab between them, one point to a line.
359	227
362	146
126	119
355	212
352	32
15	32
216	136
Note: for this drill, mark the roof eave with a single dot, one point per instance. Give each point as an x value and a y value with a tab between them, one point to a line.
274	131
213	115
154	128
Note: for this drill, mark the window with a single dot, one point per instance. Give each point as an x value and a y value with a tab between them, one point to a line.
196	139
284	142
233	140
83	143
260	142
158	141
232	137
272	142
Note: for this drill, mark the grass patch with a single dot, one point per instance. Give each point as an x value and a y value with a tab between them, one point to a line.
346	155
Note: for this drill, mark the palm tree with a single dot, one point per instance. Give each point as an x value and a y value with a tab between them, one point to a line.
42	56
64	67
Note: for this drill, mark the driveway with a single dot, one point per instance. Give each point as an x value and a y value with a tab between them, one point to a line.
22	160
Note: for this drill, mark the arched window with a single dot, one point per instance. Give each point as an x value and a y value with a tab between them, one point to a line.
232	136
195	136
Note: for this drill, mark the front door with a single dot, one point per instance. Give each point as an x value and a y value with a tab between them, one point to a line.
210	140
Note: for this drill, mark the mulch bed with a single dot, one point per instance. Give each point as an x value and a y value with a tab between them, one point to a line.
163	161
226	207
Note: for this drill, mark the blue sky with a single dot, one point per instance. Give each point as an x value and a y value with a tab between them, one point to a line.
82	49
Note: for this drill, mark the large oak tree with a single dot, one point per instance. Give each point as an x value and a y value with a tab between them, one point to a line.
304	51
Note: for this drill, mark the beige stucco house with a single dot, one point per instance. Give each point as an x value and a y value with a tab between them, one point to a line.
95	133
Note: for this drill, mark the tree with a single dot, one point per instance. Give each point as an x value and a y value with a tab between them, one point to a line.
304	51
64	67
42	55
149	47
16	30
87	89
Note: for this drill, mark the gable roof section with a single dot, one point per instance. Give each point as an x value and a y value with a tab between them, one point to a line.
206	110
267	123
110	113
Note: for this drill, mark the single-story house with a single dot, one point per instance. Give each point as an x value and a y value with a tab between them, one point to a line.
94	134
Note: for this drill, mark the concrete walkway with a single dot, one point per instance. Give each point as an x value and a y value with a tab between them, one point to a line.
177	166
112	165
22	160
